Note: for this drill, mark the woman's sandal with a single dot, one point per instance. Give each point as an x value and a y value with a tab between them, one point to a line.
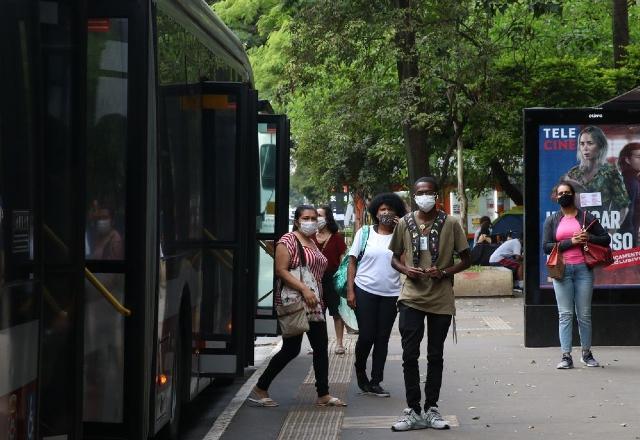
266	402
334	401
339	350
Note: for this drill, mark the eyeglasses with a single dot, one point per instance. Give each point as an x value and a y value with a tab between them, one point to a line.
565	193
426	193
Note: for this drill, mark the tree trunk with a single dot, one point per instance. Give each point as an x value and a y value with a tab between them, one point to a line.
500	175
620	24
462	195
415	137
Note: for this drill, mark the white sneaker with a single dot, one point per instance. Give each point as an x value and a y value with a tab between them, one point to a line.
434	420
410	420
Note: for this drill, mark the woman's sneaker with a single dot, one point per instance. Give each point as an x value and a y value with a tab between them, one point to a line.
566	363
410	420
588	359
363	382
434	420
377	390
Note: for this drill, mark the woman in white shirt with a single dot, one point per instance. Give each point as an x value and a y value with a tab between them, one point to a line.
373	287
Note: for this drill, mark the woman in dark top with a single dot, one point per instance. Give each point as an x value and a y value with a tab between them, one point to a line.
566	227
331	244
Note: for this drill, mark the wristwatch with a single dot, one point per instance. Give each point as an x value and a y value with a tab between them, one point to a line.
444	273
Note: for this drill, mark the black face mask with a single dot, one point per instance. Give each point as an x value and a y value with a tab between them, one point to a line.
565	200
387	219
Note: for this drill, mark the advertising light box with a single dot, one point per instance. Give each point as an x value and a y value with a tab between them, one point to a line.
598	152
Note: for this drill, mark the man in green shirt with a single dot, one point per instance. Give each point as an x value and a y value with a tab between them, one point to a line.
423	245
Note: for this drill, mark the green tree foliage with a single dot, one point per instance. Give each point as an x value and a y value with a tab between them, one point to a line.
333	67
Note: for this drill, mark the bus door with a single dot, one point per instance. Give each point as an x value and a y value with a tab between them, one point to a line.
118	219
272	213
20	319
228	142
41	188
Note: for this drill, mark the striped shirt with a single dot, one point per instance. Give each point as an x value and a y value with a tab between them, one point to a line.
316	262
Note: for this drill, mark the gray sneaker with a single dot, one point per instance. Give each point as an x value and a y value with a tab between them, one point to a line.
434	420
588	359
410	420
566	363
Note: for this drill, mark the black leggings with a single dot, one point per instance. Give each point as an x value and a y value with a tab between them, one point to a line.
317	335
376	315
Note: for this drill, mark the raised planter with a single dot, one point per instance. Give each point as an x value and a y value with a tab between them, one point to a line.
484	281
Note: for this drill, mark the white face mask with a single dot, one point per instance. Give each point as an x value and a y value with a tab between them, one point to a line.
309	228
322	222
103	226
425	202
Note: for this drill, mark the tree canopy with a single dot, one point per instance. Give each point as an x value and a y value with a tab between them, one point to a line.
358	78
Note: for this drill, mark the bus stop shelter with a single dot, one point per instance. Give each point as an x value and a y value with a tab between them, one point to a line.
551	151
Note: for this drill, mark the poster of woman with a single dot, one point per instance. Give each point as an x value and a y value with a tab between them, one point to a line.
603	165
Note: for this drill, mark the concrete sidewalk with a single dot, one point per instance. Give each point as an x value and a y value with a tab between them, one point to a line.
493	388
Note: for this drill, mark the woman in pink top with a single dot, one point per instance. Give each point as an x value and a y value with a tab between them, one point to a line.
575	289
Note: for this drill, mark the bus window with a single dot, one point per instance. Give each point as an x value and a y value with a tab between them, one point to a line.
268	166
267	140
107	131
107	77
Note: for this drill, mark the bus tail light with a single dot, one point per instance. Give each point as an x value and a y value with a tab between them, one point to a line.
162	379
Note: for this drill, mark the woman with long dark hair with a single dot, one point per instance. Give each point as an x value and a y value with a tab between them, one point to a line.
575	290
331	244
305	226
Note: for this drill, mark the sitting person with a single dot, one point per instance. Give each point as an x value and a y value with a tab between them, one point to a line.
509	255
483	233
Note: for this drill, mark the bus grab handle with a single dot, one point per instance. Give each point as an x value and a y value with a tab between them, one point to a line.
106	294
90	276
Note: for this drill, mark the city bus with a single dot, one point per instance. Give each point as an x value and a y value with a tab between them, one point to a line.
137	209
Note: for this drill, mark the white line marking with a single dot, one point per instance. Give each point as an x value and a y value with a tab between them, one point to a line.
224	420
384	422
496	323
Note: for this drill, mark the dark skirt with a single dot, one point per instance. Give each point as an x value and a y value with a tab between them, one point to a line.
329	295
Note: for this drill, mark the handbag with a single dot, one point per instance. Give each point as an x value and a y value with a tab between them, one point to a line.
595	254
293	314
555	263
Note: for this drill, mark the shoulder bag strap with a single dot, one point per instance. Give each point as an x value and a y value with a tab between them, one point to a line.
301	255
364	238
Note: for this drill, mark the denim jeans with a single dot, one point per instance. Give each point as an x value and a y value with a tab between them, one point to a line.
411	327
574	292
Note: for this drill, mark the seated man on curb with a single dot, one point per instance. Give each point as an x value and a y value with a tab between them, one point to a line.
509	255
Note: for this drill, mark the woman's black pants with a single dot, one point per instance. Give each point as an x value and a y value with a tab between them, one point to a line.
319	341
376	315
